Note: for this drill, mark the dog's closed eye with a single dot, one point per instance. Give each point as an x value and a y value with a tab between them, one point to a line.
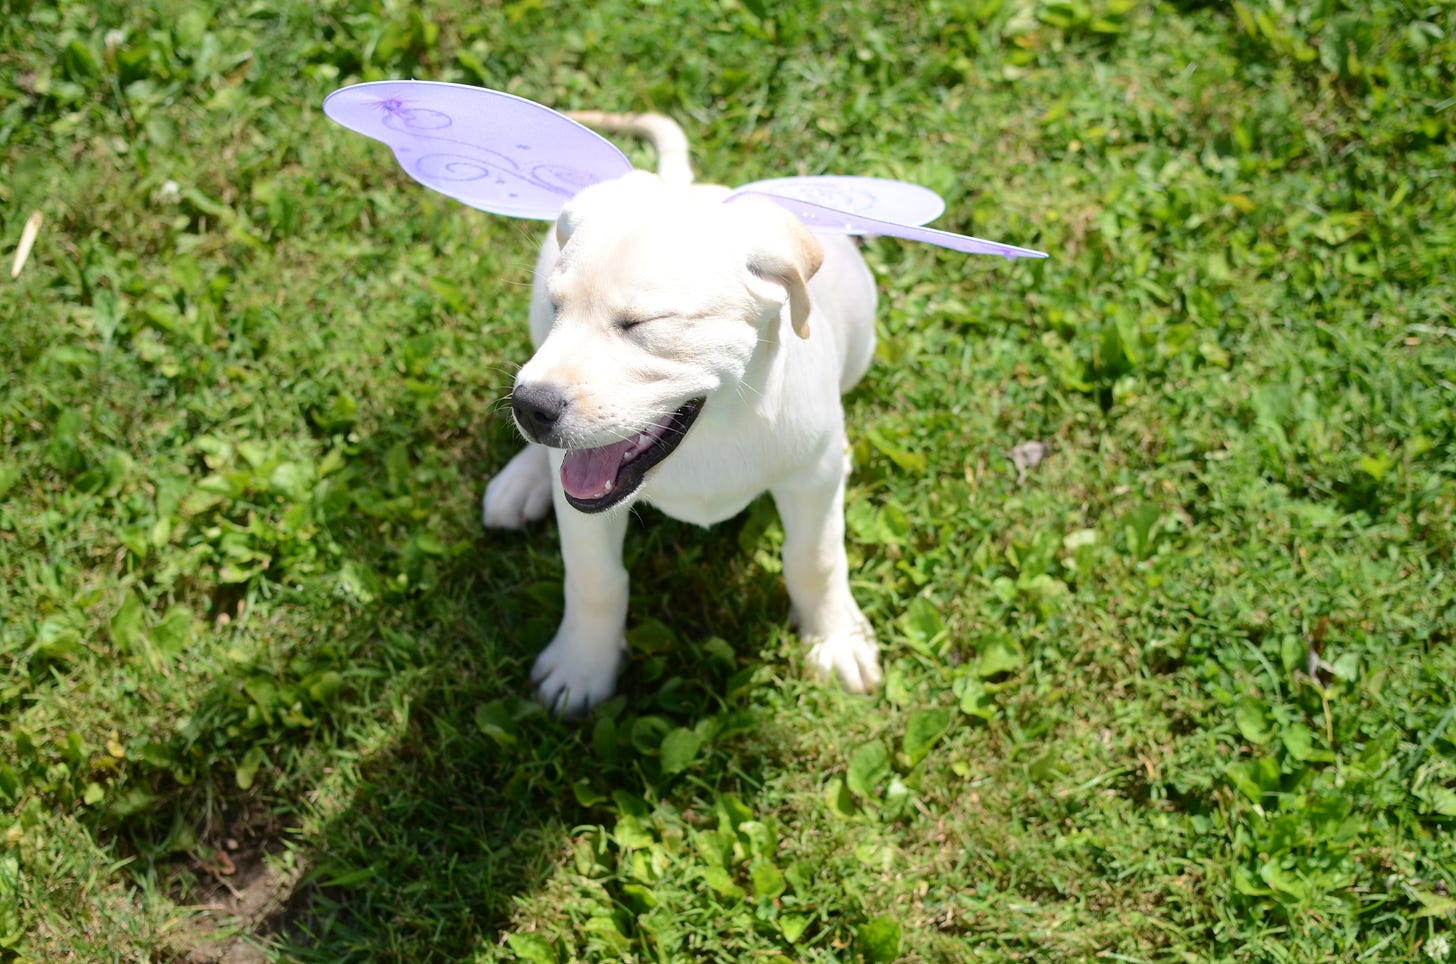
629	322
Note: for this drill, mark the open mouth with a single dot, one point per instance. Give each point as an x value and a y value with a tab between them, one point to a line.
599	478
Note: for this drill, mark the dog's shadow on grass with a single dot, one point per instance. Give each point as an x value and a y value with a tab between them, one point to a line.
468	803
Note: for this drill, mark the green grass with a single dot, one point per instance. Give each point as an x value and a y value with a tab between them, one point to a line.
1186	693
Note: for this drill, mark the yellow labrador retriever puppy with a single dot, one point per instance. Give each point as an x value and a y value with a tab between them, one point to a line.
690	354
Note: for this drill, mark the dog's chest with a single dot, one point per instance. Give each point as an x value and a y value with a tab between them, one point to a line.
718	471
705	487
699	511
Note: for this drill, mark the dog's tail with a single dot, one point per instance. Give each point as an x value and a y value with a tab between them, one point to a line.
671	144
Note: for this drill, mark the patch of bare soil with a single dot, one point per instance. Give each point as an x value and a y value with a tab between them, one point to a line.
242	894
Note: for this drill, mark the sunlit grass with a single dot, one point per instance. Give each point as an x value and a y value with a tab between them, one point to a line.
1180	691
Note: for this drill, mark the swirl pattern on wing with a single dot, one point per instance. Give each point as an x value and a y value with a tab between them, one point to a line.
487	149
457	168
412	119
567	180
872	197
836	196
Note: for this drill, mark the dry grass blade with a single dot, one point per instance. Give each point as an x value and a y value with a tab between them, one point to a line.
27	240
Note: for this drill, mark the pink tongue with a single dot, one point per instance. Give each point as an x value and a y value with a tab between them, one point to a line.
589	473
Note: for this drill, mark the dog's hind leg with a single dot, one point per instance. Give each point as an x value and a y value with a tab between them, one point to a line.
520	492
840	641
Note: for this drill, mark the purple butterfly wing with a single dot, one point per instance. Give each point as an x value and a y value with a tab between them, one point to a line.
491	150
867	205
872	197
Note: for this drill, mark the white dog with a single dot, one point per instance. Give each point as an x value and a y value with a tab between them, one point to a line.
690	354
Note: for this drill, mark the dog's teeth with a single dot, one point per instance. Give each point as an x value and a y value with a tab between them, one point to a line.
608	489
638	445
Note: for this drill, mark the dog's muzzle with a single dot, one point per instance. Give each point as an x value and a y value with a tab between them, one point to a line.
594	479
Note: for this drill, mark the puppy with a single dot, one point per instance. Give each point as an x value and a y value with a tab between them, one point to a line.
690	354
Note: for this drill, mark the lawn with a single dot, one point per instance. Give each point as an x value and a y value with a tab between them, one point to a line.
1182	691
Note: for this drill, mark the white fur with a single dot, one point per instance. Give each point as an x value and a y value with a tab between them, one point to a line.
714	286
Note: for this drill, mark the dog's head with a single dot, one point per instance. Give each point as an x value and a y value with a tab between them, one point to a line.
663	296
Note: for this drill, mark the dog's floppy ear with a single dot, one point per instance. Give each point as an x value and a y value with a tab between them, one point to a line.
789	257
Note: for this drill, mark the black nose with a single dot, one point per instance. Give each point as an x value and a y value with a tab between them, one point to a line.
537	408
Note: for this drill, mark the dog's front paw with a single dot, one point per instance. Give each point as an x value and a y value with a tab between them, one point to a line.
520	492
852	656
571	677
